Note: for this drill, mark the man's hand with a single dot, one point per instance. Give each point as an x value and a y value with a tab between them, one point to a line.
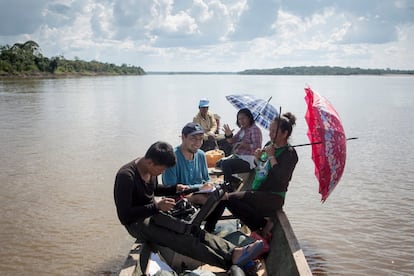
182	187
207	186
166	204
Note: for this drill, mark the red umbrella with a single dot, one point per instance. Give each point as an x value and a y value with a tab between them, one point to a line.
328	141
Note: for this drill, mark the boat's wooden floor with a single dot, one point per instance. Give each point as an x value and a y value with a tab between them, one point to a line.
220	272
131	265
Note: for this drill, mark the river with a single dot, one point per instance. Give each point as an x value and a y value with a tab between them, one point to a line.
63	140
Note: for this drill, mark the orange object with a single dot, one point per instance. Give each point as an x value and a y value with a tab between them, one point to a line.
213	156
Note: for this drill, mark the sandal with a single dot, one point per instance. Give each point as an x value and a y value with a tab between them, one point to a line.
249	252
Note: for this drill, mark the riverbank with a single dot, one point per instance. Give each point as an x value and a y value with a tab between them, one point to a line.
40	75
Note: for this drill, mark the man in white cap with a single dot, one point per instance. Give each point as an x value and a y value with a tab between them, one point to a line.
207	120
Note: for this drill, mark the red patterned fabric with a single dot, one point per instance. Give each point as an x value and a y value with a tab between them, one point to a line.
266	245
326	133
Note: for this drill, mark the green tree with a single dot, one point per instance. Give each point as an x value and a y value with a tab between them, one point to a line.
23	58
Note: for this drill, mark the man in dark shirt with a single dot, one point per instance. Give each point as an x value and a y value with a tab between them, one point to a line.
134	191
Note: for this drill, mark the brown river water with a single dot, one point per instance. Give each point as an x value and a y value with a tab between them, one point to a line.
63	140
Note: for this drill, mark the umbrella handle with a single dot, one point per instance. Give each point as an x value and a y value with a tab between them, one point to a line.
316	143
278	118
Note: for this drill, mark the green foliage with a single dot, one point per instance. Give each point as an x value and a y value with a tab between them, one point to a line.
323	70
26	59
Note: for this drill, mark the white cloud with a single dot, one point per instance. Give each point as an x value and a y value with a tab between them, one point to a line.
217	35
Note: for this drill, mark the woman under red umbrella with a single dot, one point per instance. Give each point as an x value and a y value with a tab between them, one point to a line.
275	166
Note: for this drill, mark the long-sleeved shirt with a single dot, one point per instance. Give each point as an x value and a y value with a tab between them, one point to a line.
276	179
252	136
209	124
134	198
193	173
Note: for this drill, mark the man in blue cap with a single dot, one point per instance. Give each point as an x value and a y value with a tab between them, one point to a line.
191	168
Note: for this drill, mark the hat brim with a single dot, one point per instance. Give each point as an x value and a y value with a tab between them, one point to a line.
196	132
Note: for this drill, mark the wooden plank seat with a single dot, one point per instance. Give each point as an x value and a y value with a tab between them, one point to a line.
246	178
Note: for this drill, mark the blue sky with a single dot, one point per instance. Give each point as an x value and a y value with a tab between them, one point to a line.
217	35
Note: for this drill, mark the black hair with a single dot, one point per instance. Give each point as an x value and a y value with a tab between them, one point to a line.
162	154
246	112
286	122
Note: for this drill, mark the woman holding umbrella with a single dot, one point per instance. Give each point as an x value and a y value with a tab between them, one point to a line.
244	143
275	166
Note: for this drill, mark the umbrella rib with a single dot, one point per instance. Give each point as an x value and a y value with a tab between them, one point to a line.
260	112
316	143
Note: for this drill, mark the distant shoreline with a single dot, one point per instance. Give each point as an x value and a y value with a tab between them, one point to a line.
285	71
231	73
299	71
62	76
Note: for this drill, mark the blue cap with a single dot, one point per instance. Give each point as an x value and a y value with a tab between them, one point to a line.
204	103
192	129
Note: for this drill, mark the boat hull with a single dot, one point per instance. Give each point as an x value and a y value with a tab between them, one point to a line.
284	258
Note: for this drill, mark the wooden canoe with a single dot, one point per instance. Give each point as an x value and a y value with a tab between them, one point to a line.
285	257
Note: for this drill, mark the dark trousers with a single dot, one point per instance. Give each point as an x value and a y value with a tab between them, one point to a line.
203	247
233	165
221	143
251	207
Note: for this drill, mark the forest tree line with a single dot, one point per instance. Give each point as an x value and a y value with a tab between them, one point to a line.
23	59
323	70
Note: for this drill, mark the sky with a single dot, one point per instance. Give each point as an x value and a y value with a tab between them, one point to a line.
217	35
